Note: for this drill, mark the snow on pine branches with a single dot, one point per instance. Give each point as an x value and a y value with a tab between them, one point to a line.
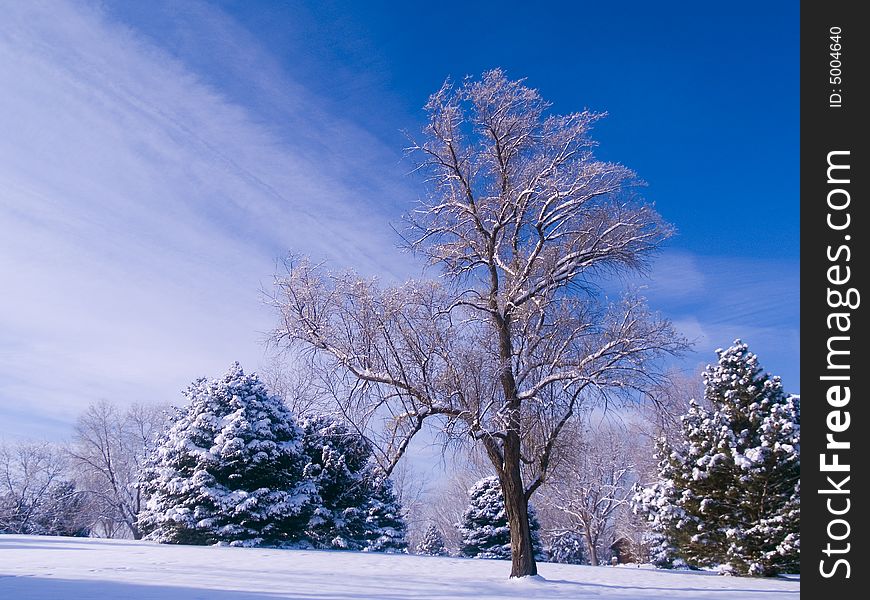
484	527
233	467
228	469
729	494
432	543
338	464
567	547
385	526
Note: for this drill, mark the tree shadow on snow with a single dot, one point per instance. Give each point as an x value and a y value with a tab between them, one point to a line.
63	543
37	588
724	590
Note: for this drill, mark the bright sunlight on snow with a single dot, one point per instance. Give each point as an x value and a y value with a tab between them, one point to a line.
51	568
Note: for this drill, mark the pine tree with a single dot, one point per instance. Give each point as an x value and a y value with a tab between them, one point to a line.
229	469
339	464
385	527
729	494
567	548
432	543
660	504
484	528
62	511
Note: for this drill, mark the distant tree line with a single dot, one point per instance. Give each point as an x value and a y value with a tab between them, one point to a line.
718	487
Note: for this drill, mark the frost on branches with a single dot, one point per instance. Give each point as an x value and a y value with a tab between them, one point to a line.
484	528
729	494
229	469
496	348
432	543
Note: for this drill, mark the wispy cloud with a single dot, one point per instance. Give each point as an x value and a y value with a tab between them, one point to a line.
141	209
715	299
148	182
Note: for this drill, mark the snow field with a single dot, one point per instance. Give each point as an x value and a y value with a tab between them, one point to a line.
55	568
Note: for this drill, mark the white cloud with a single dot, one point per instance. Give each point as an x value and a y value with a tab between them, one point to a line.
144	196
714	300
141	211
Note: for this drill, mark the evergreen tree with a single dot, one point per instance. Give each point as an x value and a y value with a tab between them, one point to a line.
339	464
432	543
729	494
567	548
229	469
385	527
484	528
62	511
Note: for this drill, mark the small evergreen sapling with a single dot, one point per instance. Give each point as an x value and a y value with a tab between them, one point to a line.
567	548
432	543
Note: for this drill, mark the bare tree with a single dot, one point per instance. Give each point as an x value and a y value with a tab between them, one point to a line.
513	338
298	386
594	486
410	489
108	451
30	472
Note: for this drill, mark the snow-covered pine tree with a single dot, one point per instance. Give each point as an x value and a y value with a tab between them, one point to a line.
730	493
63	511
659	504
567	547
228	469
484	528
385	527
339	465
432	543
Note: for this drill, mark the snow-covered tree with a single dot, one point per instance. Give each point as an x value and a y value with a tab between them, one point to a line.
229	469
35	495
385	528
432	543
567	547
340	466
485	528
499	349
729	493
64	510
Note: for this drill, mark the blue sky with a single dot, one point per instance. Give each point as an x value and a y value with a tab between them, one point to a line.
156	158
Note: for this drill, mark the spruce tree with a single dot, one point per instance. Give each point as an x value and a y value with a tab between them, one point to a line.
62	511
339	465
229	469
385	527
567	548
729	494
484	528
432	543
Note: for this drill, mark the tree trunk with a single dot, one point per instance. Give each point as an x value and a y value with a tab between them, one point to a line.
517	509
590	546
515	502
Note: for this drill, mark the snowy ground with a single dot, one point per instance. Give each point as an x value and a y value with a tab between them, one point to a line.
52	568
